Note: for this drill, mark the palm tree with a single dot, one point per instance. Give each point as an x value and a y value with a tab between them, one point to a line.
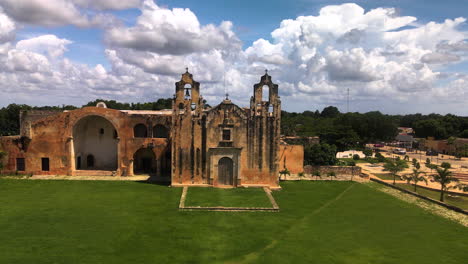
331	174
414	177
444	177
285	172
394	167
317	174
300	174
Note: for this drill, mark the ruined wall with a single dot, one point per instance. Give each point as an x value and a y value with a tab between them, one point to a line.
52	137
291	157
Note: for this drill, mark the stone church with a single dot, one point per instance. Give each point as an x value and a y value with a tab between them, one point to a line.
190	144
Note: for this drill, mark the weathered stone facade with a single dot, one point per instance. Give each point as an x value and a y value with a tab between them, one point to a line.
189	144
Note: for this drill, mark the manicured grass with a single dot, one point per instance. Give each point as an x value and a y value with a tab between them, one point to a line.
238	197
386	176
455	200
130	222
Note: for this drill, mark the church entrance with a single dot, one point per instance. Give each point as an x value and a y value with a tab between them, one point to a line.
225	171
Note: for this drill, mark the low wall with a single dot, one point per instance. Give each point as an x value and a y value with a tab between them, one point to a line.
339	170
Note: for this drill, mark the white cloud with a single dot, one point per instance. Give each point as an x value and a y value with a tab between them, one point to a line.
314	59
48	45
173	32
108	4
45	13
438	57
7	28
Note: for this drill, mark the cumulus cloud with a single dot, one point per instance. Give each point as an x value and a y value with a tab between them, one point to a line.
45	13
7	28
108	4
173	32
49	45
438	57
383	58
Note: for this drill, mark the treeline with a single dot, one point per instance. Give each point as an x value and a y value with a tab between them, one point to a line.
343	130
435	125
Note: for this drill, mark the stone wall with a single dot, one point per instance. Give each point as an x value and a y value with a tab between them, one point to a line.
291	157
339	170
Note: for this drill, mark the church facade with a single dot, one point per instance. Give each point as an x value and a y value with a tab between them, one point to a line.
190	144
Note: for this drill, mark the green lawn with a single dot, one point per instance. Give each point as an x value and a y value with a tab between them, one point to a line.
455	200
238	197
130	222
386	176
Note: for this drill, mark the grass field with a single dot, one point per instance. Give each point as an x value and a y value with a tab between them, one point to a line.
386	176
238	197
130	222
457	200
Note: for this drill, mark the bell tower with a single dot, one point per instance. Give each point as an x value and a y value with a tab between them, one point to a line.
264	127
187	95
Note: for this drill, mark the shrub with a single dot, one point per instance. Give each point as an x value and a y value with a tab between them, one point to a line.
300	174
380	157
367	152
355	157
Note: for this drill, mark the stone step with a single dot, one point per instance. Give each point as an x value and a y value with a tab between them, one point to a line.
94	173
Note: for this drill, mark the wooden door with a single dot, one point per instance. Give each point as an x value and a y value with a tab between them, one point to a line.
225	171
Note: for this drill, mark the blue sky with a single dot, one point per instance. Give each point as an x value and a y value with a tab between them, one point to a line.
319	80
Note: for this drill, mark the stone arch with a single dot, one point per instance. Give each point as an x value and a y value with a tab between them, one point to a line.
144	161
265	93
94	144
160	131
140	131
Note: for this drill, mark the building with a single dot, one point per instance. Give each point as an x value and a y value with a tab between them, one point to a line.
349	154
189	144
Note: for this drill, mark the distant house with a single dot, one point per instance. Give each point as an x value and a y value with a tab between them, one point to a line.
405	141
349	154
405	131
443	146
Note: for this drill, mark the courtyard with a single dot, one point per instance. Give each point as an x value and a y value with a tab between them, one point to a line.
59	221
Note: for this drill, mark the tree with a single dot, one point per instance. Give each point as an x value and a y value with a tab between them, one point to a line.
300	174
444	177
415	176
285	172
394	167
317	174
331	174
320	154
367	152
330	111
380	157
429	165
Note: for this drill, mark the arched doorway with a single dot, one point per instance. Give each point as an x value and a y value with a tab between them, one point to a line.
144	161
94	144
225	171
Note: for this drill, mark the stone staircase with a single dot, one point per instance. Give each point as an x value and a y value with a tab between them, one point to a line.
94	173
